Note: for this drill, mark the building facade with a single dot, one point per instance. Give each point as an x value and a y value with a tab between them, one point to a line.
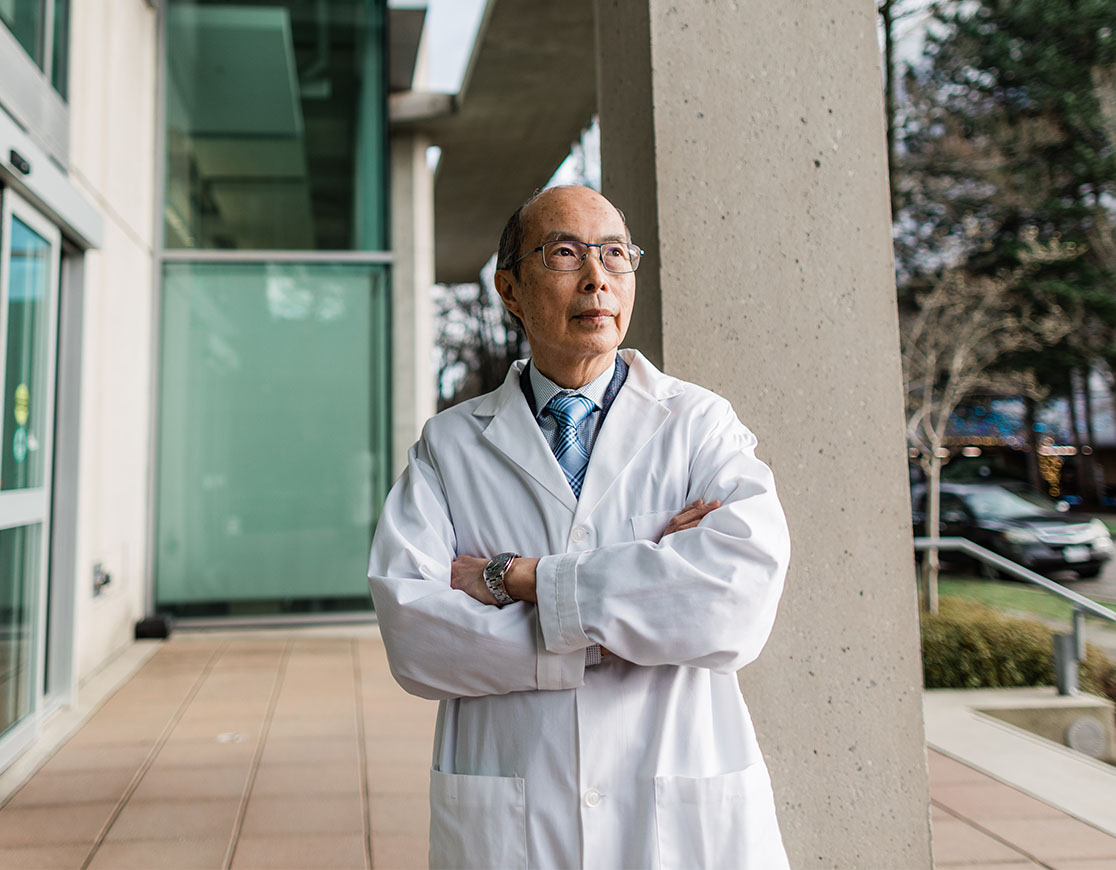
196	320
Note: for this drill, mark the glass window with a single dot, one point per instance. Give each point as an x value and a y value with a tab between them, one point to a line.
275	125
26	21
273	426
25	397
20	551
60	57
29	21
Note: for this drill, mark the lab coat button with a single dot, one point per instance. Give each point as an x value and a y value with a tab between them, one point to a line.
592	798
579	534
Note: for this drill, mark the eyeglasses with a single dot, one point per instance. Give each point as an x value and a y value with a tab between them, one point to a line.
567	256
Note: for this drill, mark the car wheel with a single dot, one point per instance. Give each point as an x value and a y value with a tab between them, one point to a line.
1089	571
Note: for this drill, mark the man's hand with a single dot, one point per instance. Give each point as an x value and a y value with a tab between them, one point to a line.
467	574
690	516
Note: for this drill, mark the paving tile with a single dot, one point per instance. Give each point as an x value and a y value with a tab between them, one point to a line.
1053	839
303	814
944	770
956	842
332	851
294	750
98	757
1084	864
339	778
313	726
73	787
112	731
991	800
56	825
400	750
211	727
389	778
183	783
401	852
63	857
399	814
172	854
172	819
206	753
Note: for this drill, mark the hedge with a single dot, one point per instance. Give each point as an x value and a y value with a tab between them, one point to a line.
967	645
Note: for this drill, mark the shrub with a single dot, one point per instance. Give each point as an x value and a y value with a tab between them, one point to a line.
967	645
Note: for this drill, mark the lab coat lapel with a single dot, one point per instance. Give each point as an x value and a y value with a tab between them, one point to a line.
516	434
632	421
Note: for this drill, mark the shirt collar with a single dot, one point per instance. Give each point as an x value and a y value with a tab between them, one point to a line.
545	389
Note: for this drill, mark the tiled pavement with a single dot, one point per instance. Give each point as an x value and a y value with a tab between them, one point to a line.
981	823
265	749
296	749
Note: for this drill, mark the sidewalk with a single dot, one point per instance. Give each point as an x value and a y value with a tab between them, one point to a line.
256	749
296	749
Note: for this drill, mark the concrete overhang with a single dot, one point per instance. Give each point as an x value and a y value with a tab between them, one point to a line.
530	89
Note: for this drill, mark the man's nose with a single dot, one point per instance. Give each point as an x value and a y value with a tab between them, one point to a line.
595	275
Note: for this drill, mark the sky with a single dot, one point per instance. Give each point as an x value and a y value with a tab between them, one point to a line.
451	26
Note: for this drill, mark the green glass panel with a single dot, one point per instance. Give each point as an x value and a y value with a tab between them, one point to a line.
273	445
60	57
25	19
19	581
22	462
275	125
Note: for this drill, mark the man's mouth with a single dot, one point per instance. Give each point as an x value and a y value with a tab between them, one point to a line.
593	314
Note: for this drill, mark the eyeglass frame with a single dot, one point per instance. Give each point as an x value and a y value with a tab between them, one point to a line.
600	253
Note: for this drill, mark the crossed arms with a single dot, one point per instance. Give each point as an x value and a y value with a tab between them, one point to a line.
704	595
467	572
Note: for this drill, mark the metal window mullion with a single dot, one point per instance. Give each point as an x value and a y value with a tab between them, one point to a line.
203	255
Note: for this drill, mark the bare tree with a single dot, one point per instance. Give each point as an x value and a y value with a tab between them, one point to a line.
952	340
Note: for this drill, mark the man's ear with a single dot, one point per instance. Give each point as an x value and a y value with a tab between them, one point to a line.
506	286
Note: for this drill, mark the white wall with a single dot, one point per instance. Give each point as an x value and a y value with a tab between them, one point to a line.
112	161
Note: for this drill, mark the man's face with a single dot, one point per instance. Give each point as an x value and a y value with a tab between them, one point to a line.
574	320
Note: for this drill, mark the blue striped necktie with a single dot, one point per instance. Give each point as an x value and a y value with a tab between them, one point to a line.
569	410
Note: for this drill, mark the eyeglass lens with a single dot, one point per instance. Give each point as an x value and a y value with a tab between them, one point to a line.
566	256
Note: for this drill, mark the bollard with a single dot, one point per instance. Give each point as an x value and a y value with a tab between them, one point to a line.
1065	663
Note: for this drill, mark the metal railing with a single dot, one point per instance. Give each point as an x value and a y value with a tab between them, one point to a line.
1068	649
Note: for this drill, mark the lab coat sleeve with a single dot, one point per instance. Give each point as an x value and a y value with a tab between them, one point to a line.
440	642
703	597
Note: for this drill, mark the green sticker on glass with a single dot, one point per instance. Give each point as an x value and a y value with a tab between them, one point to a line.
19	444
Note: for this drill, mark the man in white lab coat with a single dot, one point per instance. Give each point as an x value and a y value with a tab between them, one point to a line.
576	565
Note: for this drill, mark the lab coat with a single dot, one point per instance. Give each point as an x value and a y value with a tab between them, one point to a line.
648	759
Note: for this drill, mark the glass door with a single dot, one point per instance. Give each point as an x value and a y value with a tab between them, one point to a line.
29	264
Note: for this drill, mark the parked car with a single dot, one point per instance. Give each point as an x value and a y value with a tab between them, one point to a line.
1029	529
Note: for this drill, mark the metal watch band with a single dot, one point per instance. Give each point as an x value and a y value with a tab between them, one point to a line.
494	573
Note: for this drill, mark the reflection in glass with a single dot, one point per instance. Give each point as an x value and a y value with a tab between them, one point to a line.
275	125
273	445
22	460
19	577
60	56
25	19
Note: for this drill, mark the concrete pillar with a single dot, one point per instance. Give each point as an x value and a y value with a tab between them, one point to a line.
412	308
746	143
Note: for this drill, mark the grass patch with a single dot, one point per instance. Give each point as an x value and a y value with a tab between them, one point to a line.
1008	596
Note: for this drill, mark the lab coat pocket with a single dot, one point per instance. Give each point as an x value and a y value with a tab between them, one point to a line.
477	822
725	821
650	527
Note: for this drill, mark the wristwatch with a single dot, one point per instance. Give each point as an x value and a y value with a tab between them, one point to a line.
494	573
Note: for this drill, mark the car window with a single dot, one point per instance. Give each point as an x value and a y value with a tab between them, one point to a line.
997	503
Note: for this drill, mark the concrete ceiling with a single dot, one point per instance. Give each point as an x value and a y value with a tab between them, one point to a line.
529	92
